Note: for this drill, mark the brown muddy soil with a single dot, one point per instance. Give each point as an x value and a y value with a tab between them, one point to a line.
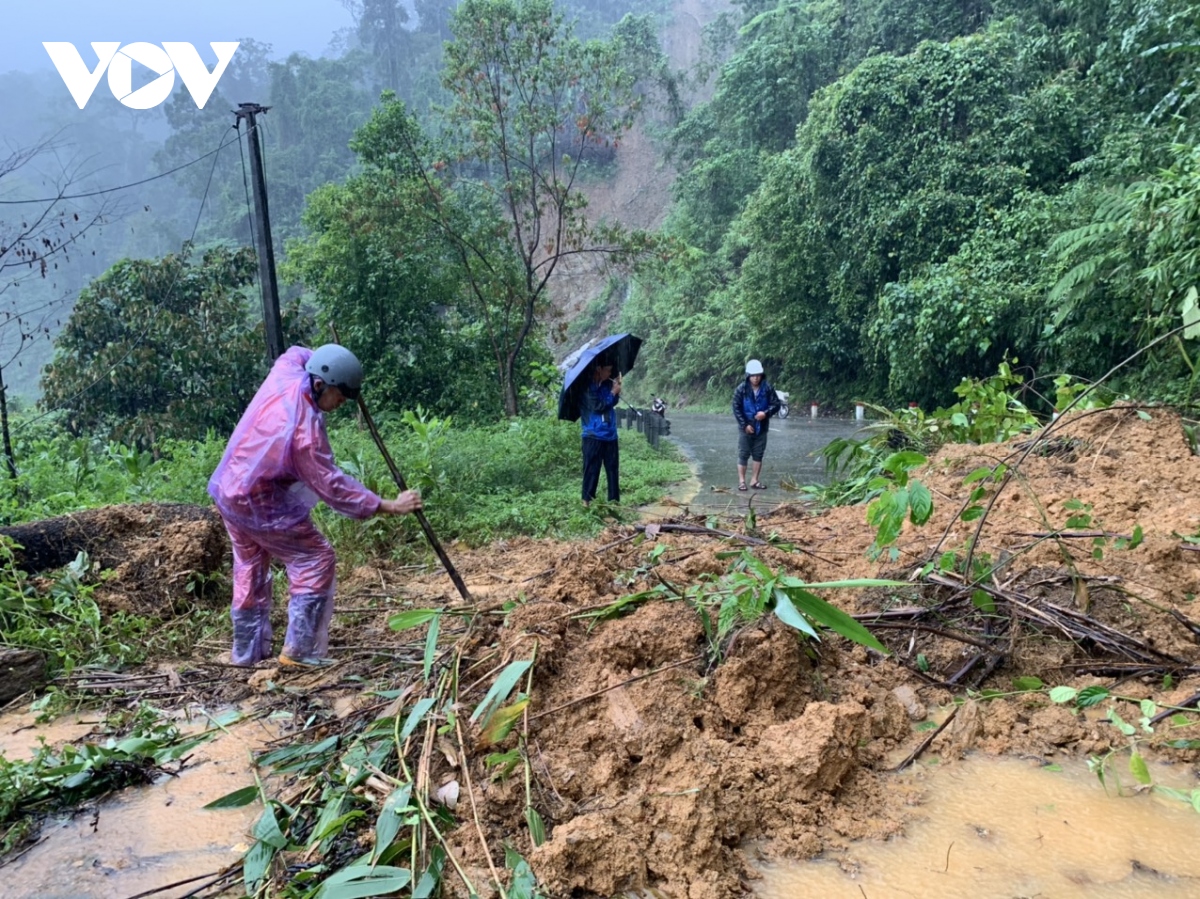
657	767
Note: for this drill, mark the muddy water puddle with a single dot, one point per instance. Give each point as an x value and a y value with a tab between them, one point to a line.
148	837
1006	828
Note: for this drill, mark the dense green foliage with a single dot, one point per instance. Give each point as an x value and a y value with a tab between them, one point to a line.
884	198
160	349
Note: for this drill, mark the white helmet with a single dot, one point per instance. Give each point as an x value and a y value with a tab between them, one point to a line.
337	367
754	367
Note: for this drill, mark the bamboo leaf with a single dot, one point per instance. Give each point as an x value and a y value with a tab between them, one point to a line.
503	722
431	644
537	827
364	882
413	618
255	864
414	717
499	692
818	610
390	820
267	829
236	799
789	615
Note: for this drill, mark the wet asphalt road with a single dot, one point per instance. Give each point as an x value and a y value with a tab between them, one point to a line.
792	458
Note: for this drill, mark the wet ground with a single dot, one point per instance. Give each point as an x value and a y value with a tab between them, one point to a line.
998	828
144	838
792	458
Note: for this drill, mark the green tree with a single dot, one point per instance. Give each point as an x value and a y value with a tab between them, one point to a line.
384	272
530	104
160	348
897	166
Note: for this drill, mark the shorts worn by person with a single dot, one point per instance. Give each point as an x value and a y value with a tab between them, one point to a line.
597	401
755	403
277	466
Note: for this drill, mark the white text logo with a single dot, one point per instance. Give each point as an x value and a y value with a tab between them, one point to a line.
164	61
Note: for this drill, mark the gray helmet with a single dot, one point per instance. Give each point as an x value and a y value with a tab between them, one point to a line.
338	367
754	367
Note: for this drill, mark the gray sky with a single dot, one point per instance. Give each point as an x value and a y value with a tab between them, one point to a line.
287	25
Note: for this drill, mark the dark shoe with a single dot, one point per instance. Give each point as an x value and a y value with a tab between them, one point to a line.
288	662
758	486
741	487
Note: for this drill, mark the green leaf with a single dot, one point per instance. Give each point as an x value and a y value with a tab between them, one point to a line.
431	640
1027	683
788	614
403	621
903	461
414	717
977	475
1090	696
499	692
523	881
364	882
1121	724
1137	767
920	502
1063	694
983	601
818	610
391	819
236	799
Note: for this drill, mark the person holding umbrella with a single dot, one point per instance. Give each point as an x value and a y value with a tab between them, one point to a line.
591	390
596	414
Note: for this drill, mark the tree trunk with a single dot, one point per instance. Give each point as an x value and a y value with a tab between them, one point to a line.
21	670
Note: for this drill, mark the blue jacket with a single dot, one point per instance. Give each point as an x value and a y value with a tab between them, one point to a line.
596	411
746	405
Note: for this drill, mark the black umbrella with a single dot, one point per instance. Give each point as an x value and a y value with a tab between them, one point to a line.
618	350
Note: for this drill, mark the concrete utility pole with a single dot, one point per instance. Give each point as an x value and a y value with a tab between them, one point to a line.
262	233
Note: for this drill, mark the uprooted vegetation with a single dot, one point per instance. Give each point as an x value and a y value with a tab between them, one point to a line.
640	713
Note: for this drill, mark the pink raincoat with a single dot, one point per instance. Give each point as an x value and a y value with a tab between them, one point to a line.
277	467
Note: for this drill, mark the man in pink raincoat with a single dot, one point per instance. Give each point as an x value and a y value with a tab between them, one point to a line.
277	467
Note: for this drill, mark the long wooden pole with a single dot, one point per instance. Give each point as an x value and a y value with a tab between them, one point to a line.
399	479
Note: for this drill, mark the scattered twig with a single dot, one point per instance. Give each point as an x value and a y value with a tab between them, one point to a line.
915	754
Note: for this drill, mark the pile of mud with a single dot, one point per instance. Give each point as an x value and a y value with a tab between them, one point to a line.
656	768
153	552
662	763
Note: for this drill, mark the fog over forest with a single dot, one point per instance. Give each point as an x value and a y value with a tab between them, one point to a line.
107	144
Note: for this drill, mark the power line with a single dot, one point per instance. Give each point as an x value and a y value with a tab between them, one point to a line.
109	190
170	289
